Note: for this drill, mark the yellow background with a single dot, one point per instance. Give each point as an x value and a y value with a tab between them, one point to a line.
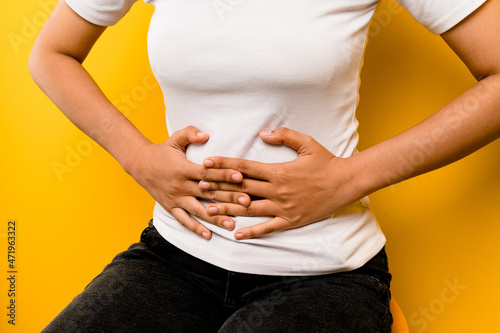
442	227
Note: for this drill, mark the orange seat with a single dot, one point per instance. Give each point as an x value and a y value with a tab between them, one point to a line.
399	324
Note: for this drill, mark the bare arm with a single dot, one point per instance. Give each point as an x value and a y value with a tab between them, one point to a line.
318	184
56	66
466	124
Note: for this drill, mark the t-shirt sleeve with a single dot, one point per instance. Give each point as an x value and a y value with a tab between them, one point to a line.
440	15
101	12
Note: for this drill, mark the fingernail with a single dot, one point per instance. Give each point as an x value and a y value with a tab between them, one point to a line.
242	200
212	210
208	163
237	177
239	235
204	185
205	235
265	133
227	225
201	134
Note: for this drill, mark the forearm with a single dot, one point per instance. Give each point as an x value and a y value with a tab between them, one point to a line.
466	124
75	93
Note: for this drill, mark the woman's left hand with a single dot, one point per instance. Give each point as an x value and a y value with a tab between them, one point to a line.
312	187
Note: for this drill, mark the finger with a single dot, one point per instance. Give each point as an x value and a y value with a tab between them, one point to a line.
249	168
182	138
300	142
187	221
221	175
261	229
253	187
193	189
229	197
195	208
256	208
194	171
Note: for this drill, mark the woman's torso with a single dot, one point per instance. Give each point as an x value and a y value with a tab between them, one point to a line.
235	68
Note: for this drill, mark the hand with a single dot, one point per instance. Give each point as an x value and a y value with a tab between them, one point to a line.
312	187
172	180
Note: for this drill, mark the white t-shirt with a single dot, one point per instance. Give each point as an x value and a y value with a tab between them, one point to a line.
235	68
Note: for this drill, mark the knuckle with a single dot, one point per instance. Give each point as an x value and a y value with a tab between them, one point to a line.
283	129
175	186
268	228
225	176
250	211
278	174
241	166
224	209
287	206
214	175
204	174
309	139
231	197
196	211
183	222
175	134
188	131
167	204
282	191
212	195
179	169
242	187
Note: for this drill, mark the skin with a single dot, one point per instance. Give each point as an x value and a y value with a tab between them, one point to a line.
463	126
162	169
317	184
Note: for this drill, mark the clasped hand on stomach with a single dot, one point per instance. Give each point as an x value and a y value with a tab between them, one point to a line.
305	190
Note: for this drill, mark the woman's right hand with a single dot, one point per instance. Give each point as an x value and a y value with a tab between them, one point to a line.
173	181
163	170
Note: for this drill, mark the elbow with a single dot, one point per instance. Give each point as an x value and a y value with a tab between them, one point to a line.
35	62
42	62
481	76
483	72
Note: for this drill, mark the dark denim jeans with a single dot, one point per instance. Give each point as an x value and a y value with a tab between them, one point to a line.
155	287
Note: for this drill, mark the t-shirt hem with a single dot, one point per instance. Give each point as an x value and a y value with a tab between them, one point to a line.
455	16
271	269
90	16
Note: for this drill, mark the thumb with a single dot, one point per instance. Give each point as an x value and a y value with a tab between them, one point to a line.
302	143
182	138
